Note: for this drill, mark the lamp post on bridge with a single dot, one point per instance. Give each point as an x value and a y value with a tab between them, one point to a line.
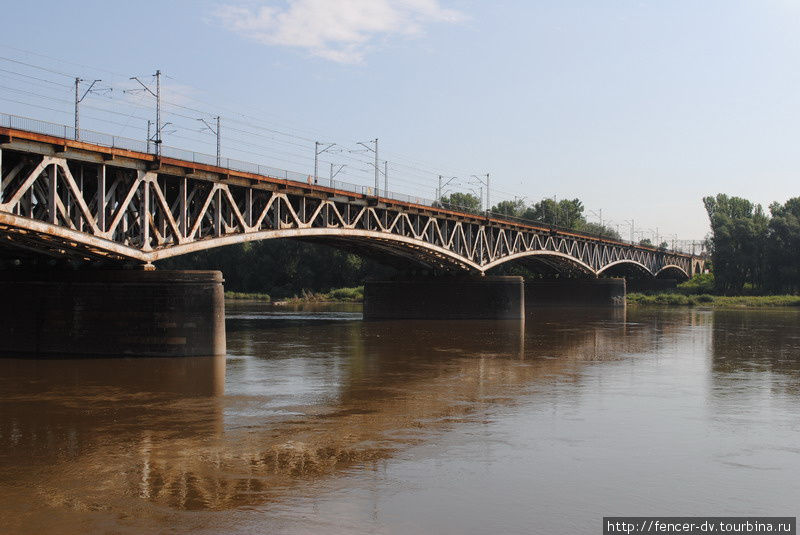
441	185
157	94
598	214
217	132
317	152
484	180
479	194
335	171
79	98
376	164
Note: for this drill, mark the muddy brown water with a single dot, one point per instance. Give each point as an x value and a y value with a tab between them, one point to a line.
317	422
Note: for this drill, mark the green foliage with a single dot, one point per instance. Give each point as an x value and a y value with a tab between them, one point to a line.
783	247
702	283
462	202
346	294
515	208
752	252
716	301
599	230
739	236
646	242
282	268
254	296
564	213
352	295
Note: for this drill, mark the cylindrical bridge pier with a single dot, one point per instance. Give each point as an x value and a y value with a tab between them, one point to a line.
491	298
112	313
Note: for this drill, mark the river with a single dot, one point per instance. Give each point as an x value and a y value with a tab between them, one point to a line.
317	422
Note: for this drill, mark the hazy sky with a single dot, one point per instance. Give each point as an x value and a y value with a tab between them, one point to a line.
639	108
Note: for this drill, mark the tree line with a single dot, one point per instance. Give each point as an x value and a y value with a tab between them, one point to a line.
752	250
566	213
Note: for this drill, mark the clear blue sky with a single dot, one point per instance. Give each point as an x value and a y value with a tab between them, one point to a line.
639	108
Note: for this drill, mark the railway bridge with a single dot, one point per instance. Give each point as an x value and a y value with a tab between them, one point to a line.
111	204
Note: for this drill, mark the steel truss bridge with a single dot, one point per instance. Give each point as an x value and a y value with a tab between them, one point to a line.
90	203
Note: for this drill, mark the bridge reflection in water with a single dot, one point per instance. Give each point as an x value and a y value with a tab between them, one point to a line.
111	439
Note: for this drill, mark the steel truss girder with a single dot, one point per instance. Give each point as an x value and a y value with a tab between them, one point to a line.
99	211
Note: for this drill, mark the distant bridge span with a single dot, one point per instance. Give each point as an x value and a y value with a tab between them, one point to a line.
70	199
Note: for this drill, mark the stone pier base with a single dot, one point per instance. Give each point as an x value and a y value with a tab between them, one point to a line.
445	298
112	313
575	292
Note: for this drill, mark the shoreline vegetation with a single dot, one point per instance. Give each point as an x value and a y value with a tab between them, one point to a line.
714	301
693	293
337	295
701	291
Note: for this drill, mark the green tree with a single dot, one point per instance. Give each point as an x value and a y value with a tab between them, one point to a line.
458	201
515	208
600	230
783	247
738	242
646	242
565	213
282	268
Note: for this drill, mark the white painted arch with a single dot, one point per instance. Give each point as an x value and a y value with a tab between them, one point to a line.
629	262
544	252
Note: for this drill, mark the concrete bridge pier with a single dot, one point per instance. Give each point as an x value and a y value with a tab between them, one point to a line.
112	313
575	292
486	298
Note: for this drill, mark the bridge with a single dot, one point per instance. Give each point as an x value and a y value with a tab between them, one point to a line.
70	199
113	203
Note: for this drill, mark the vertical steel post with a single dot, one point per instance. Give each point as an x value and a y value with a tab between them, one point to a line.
377	169
248	209
385	178
218	213
219	142
101	198
77	204
182	216
316	161
52	215
77	114
488	202
144	220
158	113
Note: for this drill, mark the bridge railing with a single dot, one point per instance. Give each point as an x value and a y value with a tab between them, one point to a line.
108	140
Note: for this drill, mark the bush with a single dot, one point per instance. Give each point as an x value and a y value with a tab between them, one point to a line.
346	294
245	295
702	283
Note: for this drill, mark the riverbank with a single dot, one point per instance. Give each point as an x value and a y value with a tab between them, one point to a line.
715	301
337	295
356	295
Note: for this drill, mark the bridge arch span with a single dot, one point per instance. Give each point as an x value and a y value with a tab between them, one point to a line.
623	266
423	253
671	271
545	255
